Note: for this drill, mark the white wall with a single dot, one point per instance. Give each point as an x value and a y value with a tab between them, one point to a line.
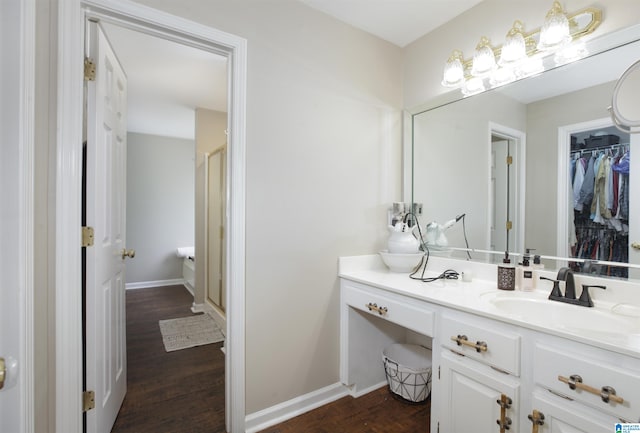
160	205
323	165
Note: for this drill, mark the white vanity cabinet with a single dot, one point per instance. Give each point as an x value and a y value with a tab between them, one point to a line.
489	371
370	320
478	387
555	414
600	383
474	398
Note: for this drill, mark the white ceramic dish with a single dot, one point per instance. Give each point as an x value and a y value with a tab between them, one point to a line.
398	262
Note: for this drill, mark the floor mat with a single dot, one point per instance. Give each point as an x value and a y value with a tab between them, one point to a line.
189	331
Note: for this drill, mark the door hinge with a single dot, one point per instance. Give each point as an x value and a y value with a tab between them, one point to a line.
509	160
89	70
438	427
509	225
438	372
87	236
88	401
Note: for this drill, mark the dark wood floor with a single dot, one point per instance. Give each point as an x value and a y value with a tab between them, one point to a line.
183	391
174	392
376	412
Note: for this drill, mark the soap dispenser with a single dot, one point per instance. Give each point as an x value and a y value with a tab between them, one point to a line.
524	275
537	267
506	274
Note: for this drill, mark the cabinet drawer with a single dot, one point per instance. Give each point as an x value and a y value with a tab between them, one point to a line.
597	369
402	312
486	341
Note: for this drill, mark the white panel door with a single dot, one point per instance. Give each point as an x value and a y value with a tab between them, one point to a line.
470	397
106	368
16	411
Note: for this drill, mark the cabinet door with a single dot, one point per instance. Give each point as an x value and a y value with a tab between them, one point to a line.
562	416
471	392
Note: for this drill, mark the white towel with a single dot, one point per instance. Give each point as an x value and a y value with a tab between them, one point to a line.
185	252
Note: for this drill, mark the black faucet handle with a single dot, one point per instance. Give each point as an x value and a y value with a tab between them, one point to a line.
555	292
585	299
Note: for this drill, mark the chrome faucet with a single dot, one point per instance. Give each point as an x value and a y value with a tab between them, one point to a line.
566	275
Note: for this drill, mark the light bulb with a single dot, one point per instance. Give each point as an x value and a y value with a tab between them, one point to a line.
453	71
555	31
514	49
484	61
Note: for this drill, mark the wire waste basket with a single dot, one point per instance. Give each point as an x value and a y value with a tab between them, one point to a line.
408	371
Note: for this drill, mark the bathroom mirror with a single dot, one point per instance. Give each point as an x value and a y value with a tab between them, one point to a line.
454	150
625	110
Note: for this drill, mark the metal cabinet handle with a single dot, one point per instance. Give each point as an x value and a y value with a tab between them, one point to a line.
128	253
3	372
462	340
504	422
606	393
374	307
537	419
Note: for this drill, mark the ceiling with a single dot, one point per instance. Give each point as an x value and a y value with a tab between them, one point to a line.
168	80
397	21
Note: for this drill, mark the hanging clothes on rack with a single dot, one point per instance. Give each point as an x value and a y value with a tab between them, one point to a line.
600	188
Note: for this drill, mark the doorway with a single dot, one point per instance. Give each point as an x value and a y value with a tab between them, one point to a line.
68	264
506	190
594	199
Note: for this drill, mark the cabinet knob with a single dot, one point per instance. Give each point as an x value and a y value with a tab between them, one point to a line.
374	307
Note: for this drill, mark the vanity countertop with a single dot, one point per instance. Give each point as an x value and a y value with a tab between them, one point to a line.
621	333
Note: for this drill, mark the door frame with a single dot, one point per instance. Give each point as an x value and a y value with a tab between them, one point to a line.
68	348
564	151
520	139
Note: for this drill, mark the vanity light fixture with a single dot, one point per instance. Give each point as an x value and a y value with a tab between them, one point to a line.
484	60
555	31
523	54
514	49
453	70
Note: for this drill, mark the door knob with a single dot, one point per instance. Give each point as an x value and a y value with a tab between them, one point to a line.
128	253
635	245
3	372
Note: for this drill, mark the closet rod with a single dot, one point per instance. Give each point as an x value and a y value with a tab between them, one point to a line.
593	149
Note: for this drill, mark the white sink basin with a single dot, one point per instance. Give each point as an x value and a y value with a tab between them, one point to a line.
534	307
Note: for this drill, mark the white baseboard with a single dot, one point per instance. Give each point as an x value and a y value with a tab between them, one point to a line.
198	308
158	283
189	287
355	393
273	415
